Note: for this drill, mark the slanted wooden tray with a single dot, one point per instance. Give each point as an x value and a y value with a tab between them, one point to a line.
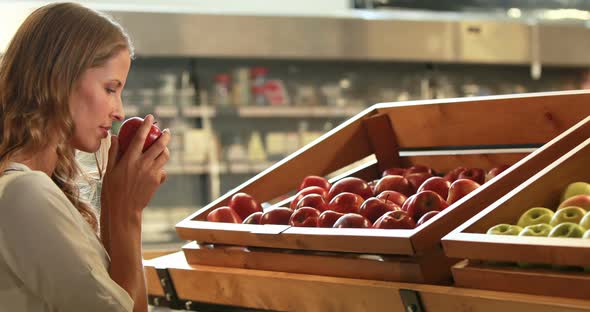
477	132
541	190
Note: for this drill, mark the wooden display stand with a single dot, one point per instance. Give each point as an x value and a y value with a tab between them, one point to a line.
541	190
471	132
210	288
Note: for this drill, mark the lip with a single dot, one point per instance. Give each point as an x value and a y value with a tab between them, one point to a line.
105	131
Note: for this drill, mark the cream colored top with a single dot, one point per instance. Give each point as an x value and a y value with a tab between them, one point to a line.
50	259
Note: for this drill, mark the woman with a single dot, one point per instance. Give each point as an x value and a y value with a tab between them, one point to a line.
60	90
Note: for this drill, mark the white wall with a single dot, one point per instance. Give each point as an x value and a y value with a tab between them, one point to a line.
12	13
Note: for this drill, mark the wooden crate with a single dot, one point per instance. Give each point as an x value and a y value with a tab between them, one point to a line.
469	132
541	190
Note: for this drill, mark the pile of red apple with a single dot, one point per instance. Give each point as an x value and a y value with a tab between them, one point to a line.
403	198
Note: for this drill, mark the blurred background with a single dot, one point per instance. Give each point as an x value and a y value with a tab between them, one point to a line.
242	84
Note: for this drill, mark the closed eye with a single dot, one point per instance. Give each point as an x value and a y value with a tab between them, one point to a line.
110	91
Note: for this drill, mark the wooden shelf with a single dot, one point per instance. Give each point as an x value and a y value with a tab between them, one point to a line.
290	112
301	292
224	168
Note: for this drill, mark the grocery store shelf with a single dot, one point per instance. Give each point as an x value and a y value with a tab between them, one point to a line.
313	111
222	168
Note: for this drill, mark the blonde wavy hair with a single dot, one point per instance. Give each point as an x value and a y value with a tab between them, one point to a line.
44	60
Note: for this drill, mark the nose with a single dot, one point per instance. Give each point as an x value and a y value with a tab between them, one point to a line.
118	113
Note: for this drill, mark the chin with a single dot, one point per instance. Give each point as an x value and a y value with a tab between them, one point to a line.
87	147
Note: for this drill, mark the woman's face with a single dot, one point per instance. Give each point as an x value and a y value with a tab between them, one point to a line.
96	101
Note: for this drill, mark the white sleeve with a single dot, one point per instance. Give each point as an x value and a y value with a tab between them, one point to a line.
45	248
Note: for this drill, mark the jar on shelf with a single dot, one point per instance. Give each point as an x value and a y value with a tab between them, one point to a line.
258	76
221	93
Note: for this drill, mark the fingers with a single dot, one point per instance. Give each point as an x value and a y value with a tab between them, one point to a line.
159	146
163	176
162	159
136	145
113	151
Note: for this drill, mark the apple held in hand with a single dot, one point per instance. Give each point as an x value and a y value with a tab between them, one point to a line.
253	218
279	215
393	196
352	220
478	175
350	185
223	214
438	185
540	229
315	181
575	188
305	217
419	204
128	130
346	203
313	200
504	229
244	205
582	201
306	191
534	216
427	216
373	208
394	183
460	188
328	218
568	214
397	219
566	230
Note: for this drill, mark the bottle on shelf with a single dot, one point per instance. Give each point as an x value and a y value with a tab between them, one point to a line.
221	92
241	86
258	75
256	152
167	90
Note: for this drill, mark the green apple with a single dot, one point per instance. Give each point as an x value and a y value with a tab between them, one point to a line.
568	214
575	188
567	229
541	229
585	222
504	229
534	216
586	234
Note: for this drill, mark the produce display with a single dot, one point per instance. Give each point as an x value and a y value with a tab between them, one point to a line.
570	219
403	198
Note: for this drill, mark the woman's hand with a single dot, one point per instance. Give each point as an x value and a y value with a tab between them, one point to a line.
131	181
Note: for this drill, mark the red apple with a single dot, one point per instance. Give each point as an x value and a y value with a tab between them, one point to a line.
416	179
224	214
244	205
372	185
308	190
253	218
305	217
346	203
427	216
581	200
280	215
394	171
453	174
419	204
128	130
352	220
328	218
476	174
393	196
436	184
397	219
315	181
313	200
374	207
419	169
394	183
351	185
492	173
460	188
